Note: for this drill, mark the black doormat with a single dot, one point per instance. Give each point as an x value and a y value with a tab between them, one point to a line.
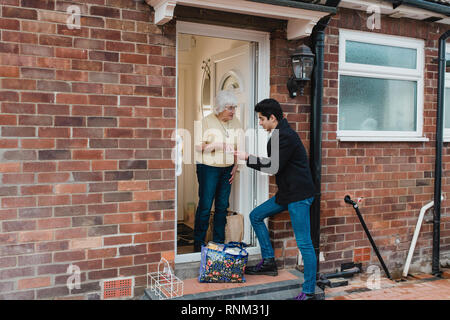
185	235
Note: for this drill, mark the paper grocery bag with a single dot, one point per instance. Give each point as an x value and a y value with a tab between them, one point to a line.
234	230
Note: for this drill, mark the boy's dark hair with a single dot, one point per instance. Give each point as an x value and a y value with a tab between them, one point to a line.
267	107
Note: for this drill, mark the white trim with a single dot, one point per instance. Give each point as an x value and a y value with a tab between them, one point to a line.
446	132
386	8
383	72
382	139
263	92
300	21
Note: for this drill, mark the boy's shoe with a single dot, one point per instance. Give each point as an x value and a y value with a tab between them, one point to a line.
265	267
305	296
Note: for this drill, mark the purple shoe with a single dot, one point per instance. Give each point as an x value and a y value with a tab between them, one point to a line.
304	296
264	267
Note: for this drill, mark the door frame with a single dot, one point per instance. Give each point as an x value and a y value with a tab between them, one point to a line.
262	92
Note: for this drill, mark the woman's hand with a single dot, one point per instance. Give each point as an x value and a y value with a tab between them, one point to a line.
220	146
233	172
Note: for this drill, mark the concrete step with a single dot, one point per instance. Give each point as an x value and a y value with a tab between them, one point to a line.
281	290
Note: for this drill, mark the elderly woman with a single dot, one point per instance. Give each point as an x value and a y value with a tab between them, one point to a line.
216	167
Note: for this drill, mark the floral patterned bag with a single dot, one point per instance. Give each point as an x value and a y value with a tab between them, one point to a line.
223	263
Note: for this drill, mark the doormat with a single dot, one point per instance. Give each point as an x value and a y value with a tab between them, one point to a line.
185	235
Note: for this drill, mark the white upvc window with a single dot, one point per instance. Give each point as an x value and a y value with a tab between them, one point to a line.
381	87
447	98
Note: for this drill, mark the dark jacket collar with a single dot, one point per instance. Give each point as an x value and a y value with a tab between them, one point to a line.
283	124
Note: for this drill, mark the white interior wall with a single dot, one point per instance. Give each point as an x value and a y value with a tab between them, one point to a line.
191	73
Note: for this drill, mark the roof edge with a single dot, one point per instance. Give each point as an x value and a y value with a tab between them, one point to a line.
298	5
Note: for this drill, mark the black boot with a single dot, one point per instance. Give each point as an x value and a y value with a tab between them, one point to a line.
198	246
266	267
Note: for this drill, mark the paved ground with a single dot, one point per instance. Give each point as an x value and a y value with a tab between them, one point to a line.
417	287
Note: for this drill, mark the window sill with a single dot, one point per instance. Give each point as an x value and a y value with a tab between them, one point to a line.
383	139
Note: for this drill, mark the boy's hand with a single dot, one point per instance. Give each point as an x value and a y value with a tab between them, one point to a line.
241	155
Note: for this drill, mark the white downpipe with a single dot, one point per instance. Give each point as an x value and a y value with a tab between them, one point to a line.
416	235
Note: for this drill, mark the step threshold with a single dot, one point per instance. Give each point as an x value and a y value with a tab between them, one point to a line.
285	286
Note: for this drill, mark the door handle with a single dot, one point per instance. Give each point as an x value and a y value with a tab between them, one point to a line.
178	155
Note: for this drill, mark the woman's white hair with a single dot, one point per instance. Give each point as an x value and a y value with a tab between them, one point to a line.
224	98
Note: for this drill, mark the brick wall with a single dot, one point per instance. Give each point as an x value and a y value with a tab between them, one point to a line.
297	112
85	169
395	178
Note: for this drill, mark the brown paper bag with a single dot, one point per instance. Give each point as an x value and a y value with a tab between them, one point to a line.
234	229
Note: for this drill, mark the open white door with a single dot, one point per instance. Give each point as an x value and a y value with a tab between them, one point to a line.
234	70
244	69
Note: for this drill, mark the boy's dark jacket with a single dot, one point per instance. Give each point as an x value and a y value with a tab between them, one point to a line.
292	175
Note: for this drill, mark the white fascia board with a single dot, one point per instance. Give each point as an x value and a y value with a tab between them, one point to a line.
386	8
300	21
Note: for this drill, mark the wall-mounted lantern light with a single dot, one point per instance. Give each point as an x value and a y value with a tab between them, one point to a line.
302	66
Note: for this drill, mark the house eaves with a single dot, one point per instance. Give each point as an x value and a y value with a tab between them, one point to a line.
430	11
301	16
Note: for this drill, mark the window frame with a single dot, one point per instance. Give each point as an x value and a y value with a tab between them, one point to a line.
383	72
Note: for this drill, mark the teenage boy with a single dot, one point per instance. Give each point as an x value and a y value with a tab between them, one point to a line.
289	162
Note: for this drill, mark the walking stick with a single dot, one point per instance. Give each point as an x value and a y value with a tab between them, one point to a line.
348	200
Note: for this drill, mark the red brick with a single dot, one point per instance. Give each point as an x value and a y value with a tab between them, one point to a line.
73	166
105	34
9	24
32	283
38	27
71	98
72	233
37	97
133	58
147	237
9	72
102	253
133	228
19	84
10	167
69	256
53	200
21	108
70	188
19	13
54	132
19	202
9	143
33	236
37	189
117	240
118	262
87	154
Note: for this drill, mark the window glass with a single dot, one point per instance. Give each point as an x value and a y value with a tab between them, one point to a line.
447	108
373	104
380	55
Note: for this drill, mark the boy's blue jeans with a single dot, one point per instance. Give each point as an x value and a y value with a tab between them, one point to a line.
213	185
299	212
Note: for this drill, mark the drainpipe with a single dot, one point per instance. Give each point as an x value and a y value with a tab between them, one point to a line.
318	44
438	161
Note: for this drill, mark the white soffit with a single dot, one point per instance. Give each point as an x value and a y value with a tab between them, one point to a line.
300	21
386	8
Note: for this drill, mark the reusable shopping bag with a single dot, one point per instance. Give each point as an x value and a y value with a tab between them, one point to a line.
223	262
